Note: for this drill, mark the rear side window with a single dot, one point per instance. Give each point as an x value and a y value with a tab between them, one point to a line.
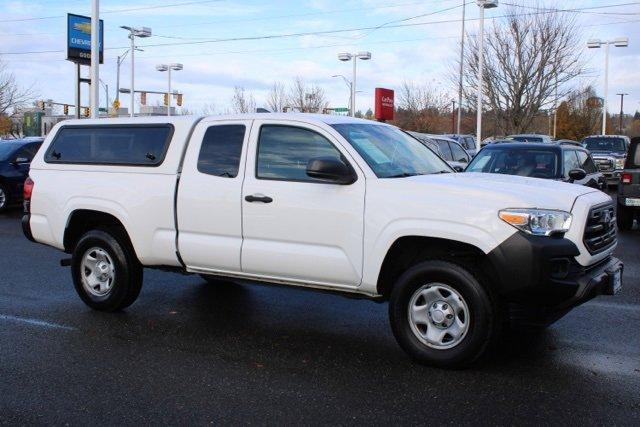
138	145
221	150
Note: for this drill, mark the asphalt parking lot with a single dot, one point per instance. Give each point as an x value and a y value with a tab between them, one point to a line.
189	352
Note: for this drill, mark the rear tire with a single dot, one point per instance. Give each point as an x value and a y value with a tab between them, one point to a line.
624	218
106	273
451	295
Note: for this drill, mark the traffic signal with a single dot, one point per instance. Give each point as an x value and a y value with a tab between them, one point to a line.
87	111
166	99
41	105
179	101
116	104
143	98
66	109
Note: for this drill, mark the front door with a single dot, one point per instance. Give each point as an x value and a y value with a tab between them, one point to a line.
297	228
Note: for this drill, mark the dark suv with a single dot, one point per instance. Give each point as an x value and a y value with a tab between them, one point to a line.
560	161
15	158
629	188
609	153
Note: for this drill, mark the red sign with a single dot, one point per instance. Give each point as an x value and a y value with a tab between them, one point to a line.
384	104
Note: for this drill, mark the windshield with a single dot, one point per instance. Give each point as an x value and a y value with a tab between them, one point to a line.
6	150
531	163
390	152
604	144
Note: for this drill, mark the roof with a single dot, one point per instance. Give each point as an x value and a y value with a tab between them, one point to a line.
529	145
19	142
530	135
606	136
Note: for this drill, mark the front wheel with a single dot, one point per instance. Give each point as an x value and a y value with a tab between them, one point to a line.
441	315
4	198
106	273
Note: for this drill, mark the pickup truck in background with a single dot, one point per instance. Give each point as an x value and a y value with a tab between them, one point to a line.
325	202
609	153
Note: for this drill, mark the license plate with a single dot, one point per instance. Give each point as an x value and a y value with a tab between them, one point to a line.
617	281
632	202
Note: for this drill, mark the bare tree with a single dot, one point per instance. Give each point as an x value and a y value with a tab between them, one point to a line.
277	97
307	99
422	108
12	96
526	59
242	101
208	109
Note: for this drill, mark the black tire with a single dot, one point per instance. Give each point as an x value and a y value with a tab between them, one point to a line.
127	270
217	280
4	204
624	218
485	322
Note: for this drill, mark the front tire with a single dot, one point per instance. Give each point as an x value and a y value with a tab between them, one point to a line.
441	315
4	198
624	218
106	273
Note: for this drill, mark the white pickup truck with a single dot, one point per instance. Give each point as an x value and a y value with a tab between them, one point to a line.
325	202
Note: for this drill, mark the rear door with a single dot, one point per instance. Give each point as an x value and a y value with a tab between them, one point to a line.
630	186
209	205
297	228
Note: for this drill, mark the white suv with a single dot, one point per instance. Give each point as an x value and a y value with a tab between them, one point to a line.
326	202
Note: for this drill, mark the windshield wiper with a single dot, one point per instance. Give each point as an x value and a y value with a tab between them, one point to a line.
442	171
403	175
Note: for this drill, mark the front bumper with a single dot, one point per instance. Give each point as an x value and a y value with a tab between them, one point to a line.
541	281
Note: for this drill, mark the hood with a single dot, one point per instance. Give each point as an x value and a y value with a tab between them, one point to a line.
508	191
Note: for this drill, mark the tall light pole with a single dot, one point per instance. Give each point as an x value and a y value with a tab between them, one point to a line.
365	56
95	58
596	44
621	95
106	94
133	33
168	68
461	67
349	84
482	4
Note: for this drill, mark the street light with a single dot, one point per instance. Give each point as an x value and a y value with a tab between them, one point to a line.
168	68
119	62
596	44
348	83
482	4
141	32
344	56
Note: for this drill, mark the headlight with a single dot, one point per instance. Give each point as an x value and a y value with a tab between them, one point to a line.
619	163
539	222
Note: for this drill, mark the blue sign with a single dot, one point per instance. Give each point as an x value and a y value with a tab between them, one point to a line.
79	39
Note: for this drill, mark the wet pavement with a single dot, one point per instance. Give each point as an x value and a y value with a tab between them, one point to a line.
190	352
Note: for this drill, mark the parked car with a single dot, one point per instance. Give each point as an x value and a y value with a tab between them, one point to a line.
609	153
325	202
468	142
447	148
629	188
557	161
531	137
15	157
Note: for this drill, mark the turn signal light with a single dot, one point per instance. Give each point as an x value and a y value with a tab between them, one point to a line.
626	178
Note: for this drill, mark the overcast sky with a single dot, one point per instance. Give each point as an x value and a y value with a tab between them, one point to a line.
185	33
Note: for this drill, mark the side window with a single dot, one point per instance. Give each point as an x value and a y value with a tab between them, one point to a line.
221	150
636	156
284	151
471	143
459	154
23	153
570	161
445	150
586	163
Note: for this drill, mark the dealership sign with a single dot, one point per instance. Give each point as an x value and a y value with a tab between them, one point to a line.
384	104
79	39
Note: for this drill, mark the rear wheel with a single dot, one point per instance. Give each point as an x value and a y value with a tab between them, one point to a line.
441	315
4	198
624	218
106	273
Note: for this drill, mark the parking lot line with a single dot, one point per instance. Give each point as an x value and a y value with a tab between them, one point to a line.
35	322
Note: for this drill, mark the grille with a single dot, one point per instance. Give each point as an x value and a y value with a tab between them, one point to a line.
600	232
604	164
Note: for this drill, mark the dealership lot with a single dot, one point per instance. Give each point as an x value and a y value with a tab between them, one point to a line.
189	351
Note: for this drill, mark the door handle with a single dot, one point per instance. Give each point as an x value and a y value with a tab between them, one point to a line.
258	198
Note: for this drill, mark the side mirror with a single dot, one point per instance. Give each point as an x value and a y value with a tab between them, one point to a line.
331	170
458	168
577	174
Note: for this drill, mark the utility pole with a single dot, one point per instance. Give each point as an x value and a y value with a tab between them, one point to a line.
621	95
95	58
453	116
461	68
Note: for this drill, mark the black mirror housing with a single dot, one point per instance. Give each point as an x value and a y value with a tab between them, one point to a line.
577	174
330	170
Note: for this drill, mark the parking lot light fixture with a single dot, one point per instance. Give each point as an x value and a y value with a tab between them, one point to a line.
142	32
168	67
596	44
482	4
344	56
